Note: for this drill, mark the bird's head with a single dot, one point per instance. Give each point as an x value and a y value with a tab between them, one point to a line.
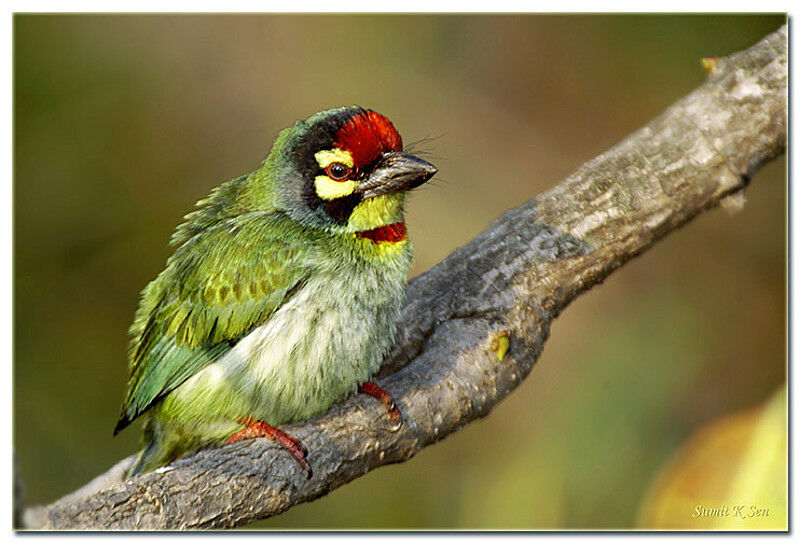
343	170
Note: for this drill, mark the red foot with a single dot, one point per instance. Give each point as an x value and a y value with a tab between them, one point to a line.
256	428
377	392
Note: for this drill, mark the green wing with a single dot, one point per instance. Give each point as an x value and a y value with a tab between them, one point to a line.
219	285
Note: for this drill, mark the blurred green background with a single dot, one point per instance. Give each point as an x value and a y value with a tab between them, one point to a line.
123	122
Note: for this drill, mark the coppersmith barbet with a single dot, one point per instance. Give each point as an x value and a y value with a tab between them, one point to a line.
283	293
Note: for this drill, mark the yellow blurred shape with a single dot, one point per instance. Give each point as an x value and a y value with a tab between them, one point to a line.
730	475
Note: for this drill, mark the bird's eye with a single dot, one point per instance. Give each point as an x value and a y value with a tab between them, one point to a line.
338	171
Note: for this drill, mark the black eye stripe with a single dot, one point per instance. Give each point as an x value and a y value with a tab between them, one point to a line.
316	137
320	136
340	209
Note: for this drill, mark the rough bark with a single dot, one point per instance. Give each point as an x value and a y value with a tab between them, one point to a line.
510	282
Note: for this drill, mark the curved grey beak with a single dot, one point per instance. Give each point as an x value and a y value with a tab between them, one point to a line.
396	172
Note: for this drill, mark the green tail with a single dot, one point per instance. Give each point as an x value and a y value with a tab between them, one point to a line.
146	461
165	442
160	448
155	453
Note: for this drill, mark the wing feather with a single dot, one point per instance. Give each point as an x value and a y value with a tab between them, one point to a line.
219	285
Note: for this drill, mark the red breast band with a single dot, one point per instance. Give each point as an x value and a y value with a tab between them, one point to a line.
391	233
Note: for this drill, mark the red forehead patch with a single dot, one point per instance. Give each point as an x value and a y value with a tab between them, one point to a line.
367	136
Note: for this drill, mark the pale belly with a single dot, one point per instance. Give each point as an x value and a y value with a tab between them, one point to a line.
296	365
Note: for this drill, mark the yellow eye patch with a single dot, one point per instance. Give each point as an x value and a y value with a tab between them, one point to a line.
326	158
327	188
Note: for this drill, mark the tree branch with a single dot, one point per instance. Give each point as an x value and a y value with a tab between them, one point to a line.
448	367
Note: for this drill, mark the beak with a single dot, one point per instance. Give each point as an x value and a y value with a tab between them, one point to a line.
396	172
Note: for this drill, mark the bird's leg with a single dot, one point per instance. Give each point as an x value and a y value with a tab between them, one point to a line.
377	392
257	428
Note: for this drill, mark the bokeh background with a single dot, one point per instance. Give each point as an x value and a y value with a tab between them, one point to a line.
123	122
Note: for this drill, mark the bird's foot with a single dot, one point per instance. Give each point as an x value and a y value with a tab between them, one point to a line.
257	428
375	391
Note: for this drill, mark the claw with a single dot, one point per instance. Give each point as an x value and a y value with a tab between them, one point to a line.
397	425
375	391
256	428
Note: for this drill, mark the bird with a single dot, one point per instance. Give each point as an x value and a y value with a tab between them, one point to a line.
282	296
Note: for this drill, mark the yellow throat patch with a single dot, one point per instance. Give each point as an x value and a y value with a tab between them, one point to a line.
377	211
